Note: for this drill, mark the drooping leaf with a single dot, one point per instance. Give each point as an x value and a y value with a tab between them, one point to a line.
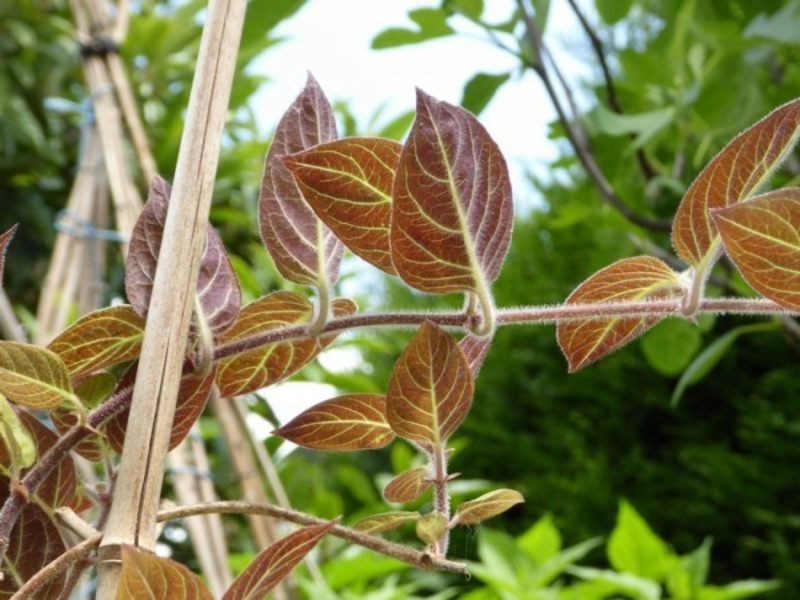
102	339
430	389
480	90
5	238
350	422
762	237
274	563
18	440
193	394
475	348
33	377
732	176
630	279
217	287
348	184
431	526
671	345
146	576
485	507
386	521
408	485
254	369
431	23
634	548
452	207
303	249
34	543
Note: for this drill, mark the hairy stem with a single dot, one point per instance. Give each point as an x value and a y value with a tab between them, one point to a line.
441	495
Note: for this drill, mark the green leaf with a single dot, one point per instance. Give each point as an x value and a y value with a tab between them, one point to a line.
18	440
555	566
613	11
542	541
431	23
738	590
643	125
634	548
480	90
386	521
472	9
781	27
671	345
34	377
620	583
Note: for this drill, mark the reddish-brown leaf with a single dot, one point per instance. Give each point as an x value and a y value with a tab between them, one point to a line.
386	521
146	576
217	287
101	339
732	176
408	485
33	376
762	237
350	422
274	563
193	395
254	369
452	208
5	238
630	279
304	250
475	349
348	184
486	506
430	389
34	543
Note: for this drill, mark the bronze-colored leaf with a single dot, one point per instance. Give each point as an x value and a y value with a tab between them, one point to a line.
762	237
430	389
486	506
348	184
5	238
146	576
33	376
350	422
452	209
274	563
733	175
304	250
255	369
386	521
630	279
217	287
102	339
408	485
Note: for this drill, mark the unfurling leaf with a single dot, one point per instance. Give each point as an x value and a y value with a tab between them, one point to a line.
17	439
348	183
452	207
631	279
430	389
254	369
146	576
102	339
33	377
762	237
5	238
350	422
431	527
386	521
217	287
274	563
303	249
733	175
486	506
408	485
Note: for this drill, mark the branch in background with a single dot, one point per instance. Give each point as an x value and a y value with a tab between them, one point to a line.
581	149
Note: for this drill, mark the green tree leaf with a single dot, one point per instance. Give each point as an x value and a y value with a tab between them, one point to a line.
671	345
634	548
431	24
480	90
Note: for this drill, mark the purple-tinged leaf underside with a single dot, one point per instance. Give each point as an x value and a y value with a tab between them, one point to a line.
218	289
430	389
487	506
33	376
475	348
732	176
350	422
274	563
348	184
5	238
304	250
146	576
408	485
762	237
386	521
102	339
254	369
452	208
630	279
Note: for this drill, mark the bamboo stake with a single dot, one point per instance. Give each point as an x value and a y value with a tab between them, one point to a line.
138	487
